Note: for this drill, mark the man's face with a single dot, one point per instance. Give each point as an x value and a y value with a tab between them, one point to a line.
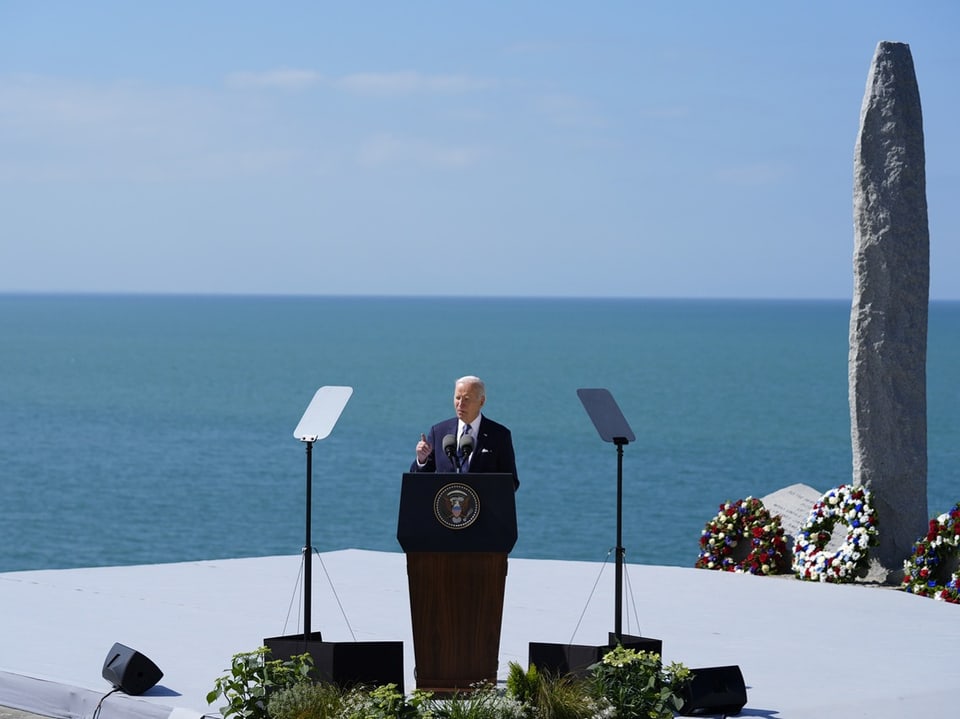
467	401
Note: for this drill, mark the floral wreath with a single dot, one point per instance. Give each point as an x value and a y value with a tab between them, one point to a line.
847	505
734	522
929	552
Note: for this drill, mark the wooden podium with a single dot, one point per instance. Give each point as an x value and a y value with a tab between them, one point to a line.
456	530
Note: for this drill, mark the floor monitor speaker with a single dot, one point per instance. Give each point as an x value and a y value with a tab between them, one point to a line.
715	690
129	670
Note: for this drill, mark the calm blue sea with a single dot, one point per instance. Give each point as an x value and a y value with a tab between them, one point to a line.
148	429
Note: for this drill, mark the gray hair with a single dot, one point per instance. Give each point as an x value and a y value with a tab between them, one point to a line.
473	380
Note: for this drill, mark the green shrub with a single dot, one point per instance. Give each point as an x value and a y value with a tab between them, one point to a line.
637	685
252	678
483	702
383	702
523	685
624	684
307	701
550	697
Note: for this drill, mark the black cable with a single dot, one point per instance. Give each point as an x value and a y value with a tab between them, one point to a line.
587	603
335	595
96	712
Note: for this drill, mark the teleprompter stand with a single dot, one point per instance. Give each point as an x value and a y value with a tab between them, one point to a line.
561	659
456	530
343	663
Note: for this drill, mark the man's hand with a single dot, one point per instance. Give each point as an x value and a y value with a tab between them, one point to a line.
423	449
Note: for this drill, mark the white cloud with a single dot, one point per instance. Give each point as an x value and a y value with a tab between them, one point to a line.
409	83
570	111
56	129
380	84
59	129
389	149
285	79
32	104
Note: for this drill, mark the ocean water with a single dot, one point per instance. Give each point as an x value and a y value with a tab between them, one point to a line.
150	429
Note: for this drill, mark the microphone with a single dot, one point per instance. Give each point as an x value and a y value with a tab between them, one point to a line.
450	449
466	446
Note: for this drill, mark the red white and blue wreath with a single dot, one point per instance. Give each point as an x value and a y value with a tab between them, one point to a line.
923	571
745	519
848	506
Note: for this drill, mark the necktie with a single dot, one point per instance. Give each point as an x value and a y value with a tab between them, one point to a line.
464	459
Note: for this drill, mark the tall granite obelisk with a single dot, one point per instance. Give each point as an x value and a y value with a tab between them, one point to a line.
888	320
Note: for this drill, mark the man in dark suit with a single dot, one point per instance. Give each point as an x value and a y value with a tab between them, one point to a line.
492	442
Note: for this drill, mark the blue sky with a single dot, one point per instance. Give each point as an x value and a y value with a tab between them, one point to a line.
636	149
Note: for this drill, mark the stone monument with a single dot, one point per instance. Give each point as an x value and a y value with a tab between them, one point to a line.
888	320
793	505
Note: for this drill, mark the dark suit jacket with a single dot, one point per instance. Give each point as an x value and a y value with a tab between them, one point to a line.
493	451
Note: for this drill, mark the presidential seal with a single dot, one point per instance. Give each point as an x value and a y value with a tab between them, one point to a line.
456	506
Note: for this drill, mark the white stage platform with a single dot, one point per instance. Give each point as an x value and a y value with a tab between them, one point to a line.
805	650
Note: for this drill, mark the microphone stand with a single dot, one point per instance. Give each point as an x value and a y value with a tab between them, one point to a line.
455	458
450	449
466	449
